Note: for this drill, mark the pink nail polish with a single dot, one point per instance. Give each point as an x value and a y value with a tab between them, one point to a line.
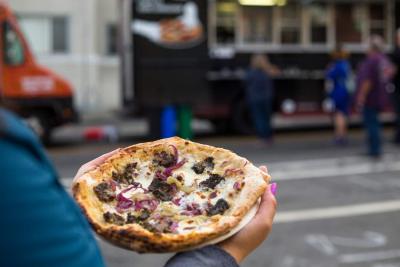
274	188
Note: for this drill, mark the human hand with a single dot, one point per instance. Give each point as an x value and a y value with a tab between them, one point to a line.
94	163
360	102
240	245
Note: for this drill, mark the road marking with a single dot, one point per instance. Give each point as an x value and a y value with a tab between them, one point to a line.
322	168
370	256
327	244
337	212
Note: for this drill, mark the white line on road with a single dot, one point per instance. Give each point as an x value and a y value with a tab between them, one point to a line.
337	212
370	256
336	171
322	168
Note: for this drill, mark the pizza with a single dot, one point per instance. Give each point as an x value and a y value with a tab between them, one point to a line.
168	195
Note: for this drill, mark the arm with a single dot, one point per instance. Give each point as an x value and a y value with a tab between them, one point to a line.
365	87
236	248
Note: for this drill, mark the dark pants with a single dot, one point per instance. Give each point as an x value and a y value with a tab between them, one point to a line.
396	104
373	128
261	112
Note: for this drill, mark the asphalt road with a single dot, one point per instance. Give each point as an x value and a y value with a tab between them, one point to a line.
336	207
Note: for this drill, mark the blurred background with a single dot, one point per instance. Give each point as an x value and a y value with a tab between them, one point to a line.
90	76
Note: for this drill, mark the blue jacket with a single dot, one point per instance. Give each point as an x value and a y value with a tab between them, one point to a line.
40	224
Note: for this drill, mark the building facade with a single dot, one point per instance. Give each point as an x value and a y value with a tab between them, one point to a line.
77	39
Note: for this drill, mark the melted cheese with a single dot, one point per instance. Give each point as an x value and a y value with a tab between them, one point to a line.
190	179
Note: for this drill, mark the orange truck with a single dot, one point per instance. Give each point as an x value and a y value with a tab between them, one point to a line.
36	93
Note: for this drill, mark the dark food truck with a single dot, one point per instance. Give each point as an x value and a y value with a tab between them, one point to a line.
196	52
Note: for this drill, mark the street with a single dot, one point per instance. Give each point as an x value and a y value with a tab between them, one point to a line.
336	207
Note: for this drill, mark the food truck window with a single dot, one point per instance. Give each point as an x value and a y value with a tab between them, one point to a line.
291	24
349	23
318	19
13	48
377	19
225	20
257	24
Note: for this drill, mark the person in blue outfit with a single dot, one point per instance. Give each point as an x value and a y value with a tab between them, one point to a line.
260	94
42	226
339	73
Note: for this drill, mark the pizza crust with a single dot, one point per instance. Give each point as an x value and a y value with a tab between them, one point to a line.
137	238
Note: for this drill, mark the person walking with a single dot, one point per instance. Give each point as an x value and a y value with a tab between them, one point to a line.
373	77
339	73
43	226
260	93
396	93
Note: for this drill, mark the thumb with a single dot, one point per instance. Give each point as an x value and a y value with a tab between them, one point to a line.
267	209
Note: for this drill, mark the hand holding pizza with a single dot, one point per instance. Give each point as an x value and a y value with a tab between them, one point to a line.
253	234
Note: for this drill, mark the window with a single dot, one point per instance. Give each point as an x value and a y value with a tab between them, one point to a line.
46	34
60	33
111	42
13	48
225	22
349	21
377	19
318	20
257	23
290	24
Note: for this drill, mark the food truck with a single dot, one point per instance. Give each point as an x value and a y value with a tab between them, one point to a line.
196	52
33	91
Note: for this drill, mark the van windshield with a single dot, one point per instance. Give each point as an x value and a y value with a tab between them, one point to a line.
13	48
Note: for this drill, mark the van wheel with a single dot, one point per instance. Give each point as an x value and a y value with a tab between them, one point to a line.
39	123
241	120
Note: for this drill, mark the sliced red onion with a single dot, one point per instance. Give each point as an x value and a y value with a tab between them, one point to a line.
174	225
176	155
124	202
168	171
149	204
160	175
176	201
213	195
191	213
237	185
192	209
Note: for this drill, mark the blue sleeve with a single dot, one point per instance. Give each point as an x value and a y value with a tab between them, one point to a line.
40	224
332	72
210	256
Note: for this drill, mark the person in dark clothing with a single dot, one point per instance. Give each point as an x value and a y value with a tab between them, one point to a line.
44	227
260	93
396	93
373	77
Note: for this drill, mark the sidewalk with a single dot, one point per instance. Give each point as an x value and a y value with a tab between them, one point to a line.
126	128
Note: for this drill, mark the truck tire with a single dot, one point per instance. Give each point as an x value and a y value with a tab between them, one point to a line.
241	120
39	122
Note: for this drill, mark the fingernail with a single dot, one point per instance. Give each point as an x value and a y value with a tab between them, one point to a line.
274	188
